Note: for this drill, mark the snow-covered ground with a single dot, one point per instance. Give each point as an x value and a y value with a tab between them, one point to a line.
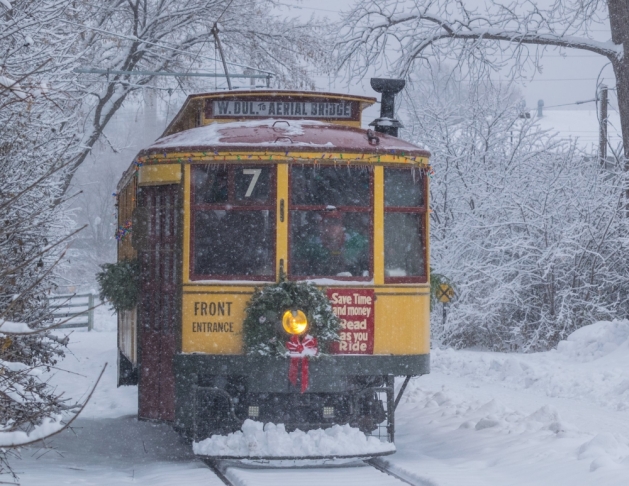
556	418
107	445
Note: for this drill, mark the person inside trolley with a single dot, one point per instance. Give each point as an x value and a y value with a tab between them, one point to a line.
331	243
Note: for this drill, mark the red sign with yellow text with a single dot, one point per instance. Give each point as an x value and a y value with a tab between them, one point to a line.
355	309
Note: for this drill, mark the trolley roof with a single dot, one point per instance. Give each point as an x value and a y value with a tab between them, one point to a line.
272	135
274	126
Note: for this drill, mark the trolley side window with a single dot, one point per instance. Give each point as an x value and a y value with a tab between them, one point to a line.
331	222
233	222
404	225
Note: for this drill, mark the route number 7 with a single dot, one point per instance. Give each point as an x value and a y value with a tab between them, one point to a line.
256	175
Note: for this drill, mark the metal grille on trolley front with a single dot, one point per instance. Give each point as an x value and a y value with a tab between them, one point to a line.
385	429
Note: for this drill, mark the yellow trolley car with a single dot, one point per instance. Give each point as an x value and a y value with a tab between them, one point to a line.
249	187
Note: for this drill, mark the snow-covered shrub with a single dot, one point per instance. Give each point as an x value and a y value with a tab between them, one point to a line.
531	232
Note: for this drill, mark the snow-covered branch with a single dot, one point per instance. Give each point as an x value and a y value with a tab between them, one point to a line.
176	36
444	30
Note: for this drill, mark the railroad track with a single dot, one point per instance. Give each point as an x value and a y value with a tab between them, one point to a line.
370	472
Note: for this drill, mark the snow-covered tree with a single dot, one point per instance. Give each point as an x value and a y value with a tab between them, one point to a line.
485	35
157	36
38	139
529	231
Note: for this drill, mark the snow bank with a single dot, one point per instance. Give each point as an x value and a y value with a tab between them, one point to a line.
482	434
596	341
270	440
479	416
592	364
604	449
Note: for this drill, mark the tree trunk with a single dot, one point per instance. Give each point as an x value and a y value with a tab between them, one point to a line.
621	70
619	24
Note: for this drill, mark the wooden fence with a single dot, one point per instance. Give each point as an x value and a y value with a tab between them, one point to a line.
77	309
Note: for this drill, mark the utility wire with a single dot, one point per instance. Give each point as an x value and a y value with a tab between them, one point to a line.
560	79
570	104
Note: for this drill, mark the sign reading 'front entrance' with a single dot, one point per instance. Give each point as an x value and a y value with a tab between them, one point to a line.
212	323
355	308
284	109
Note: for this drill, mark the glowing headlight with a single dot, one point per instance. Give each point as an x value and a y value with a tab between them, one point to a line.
295	322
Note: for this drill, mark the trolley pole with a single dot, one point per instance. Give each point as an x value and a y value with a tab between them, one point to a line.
602	133
220	50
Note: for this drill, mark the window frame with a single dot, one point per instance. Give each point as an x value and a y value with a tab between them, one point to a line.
343	209
422	210
233	205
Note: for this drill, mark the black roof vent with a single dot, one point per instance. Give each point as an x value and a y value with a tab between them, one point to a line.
389	88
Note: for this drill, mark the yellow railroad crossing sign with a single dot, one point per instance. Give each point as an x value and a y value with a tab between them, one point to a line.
445	293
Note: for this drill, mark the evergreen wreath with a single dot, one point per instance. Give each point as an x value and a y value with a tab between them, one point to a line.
262	328
120	284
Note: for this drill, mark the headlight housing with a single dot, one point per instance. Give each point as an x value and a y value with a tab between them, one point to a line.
295	322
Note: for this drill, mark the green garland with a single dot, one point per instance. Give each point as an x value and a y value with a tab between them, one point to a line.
119	284
262	328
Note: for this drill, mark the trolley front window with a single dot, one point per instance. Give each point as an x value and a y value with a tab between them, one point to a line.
330	222
233	222
404	225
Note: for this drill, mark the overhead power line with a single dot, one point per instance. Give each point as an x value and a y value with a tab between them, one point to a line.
167	73
570	104
550	79
561	79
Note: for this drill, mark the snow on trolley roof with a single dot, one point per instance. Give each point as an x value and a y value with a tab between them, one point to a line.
282	135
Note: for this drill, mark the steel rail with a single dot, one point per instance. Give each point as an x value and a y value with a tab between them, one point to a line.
219	469
216	469
382	467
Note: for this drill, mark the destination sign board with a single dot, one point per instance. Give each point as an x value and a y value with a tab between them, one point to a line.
285	109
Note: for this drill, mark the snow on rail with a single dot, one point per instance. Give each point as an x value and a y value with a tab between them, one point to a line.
270	440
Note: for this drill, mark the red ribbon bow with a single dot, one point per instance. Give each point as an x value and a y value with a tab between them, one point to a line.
299	350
